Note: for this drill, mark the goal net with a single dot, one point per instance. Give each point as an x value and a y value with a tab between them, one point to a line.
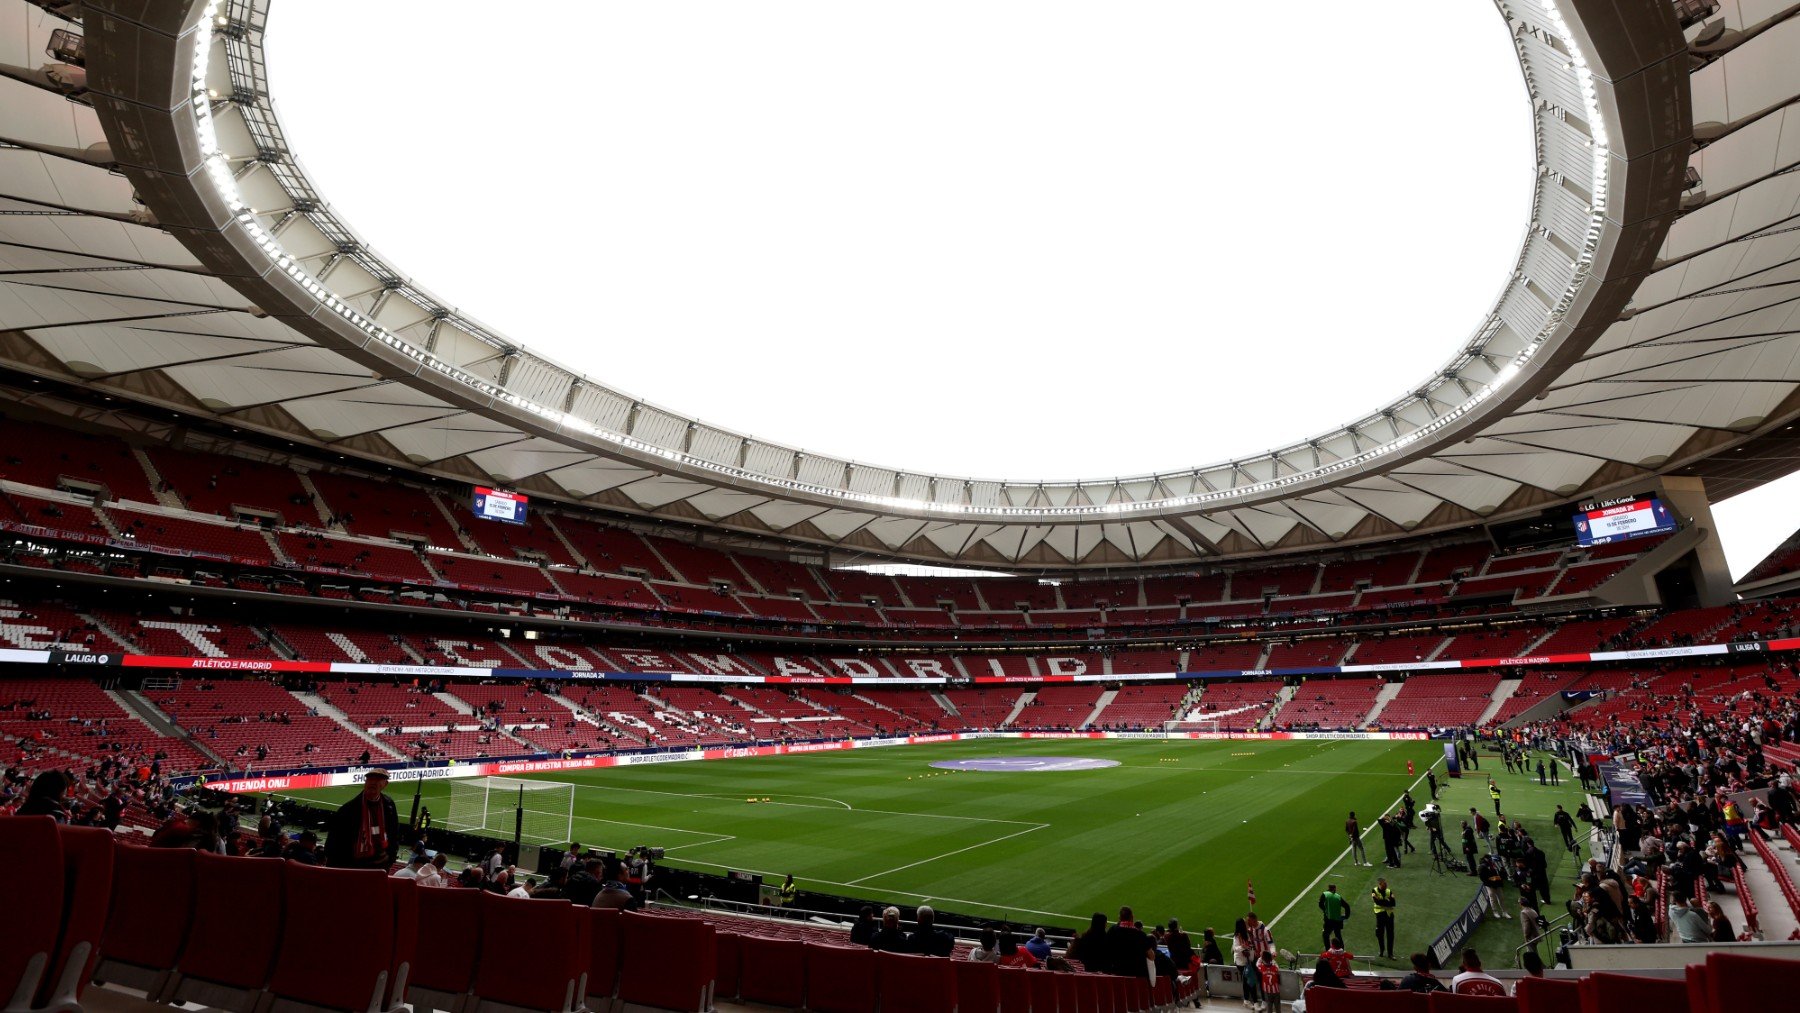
492	805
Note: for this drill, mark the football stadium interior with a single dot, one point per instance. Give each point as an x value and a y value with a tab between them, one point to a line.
354	656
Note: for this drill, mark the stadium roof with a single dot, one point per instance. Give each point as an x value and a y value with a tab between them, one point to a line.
159	241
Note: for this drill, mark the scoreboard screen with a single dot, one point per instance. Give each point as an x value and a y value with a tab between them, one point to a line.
1618	520
498	505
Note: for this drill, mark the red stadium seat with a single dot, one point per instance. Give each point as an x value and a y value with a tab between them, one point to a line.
33	906
1444	1002
532	955
1736	982
774	971
1604	992
1068	993
914	984
1138	994
449	945
234	933
840	979
1363	1000
667	963
147	920
729	947
977	986
1548	995
1088	995
87	889
320	904
604	946
1017	994
403	903
1699	988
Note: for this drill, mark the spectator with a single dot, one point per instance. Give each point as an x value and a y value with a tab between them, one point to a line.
1532	964
1686	924
1039	946
1089	948
1181	948
613	893
1722	932
365	831
1269	975
304	849
583	885
1245	956
1473	980
889	938
1011	953
1325	976
863	932
413	867
1128	949
1338	957
520	890
1421	979
433	872
1209	948
927	940
987	950
46	796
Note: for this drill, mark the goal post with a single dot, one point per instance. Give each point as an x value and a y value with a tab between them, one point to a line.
542	812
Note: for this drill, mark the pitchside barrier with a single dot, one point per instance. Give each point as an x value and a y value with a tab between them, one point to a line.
300	780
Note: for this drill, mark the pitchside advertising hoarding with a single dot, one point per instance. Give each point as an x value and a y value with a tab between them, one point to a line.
302	780
1616	520
500	505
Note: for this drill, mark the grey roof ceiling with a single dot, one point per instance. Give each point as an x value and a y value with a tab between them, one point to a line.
158	240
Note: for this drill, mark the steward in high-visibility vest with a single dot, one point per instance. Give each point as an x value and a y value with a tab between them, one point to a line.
789	891
1382	900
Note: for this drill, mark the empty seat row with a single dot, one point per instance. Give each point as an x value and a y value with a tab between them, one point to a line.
1726	982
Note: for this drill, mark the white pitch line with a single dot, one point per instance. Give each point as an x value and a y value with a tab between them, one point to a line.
924	897
650	826
795	805
1342	854
947	854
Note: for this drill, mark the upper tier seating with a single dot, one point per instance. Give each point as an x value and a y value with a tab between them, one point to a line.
491	574
384	509
77	520
1396	650
318	551
217	484
181	535
532	540
55	458
313	644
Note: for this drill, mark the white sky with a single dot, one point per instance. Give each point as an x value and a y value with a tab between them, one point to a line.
1000	238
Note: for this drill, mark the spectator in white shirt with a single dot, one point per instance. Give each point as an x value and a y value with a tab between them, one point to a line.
412	868
1475	981
433	873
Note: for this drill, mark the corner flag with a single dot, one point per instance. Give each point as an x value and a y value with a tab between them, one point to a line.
1250	891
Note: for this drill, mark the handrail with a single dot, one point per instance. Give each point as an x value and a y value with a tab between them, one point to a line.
1531	944
752	909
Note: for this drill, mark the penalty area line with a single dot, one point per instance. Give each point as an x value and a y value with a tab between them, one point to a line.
947	854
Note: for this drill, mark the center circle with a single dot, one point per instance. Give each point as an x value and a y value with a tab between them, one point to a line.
1025	764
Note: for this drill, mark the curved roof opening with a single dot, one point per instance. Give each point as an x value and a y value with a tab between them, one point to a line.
994	239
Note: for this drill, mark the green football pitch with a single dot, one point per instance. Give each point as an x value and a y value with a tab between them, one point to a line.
1175	829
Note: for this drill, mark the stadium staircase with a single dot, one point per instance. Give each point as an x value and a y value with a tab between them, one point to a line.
566	542
1024	701
326	709
1099	705
117	638
1281	700
944	702
1502	693
1775	916
1382	699
165	493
